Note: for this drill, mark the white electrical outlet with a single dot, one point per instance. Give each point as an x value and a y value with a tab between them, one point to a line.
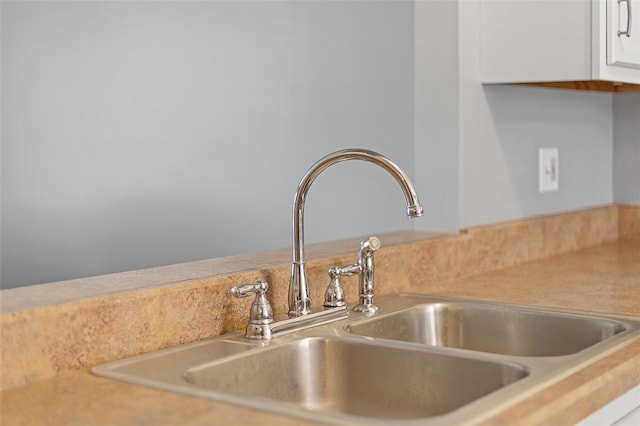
548	177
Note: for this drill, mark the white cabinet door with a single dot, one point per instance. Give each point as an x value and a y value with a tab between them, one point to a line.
623	33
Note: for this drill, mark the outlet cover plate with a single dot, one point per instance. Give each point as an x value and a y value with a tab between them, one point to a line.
548	170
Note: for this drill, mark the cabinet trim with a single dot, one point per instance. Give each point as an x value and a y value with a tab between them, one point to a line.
593	85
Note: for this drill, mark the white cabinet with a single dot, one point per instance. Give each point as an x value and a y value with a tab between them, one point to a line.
537	41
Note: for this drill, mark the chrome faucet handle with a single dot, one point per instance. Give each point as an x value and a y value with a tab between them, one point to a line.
334	295
261	314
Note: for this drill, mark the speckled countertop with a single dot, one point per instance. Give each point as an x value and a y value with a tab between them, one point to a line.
604	277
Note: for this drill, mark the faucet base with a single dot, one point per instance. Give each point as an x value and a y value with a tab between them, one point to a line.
368	309
259	331
299	311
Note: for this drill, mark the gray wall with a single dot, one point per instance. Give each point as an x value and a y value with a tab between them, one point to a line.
436	114
499	177
142	133
626	148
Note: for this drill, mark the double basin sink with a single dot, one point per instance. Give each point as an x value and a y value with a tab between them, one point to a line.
419	360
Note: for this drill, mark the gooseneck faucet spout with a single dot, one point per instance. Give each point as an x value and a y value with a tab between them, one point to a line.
299	301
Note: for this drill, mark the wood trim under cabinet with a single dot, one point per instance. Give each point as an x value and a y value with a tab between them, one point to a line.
591	85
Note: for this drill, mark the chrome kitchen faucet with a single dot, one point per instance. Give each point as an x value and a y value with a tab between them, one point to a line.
299	300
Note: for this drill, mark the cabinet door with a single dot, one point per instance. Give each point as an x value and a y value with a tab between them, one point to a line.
623	33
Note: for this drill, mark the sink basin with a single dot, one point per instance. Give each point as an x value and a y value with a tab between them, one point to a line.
491	328
357	378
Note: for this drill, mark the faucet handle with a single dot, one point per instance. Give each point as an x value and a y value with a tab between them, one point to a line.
334	295
261	314
243	290
347	271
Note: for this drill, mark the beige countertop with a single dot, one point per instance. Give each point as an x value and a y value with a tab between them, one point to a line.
602	278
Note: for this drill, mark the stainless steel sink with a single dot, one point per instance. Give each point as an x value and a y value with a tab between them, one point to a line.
420	360
491	328
357	378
